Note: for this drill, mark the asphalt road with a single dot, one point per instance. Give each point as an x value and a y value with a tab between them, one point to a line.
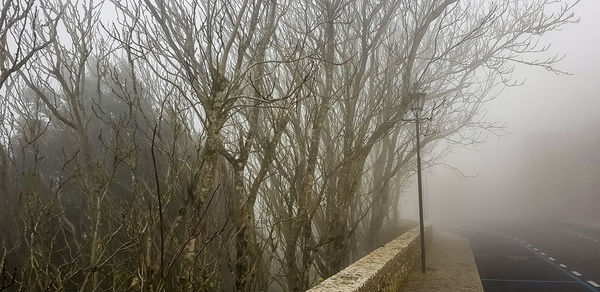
546	257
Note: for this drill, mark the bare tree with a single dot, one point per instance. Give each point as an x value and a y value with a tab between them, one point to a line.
22	34
234	145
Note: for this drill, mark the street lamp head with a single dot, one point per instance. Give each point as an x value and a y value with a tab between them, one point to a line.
417	101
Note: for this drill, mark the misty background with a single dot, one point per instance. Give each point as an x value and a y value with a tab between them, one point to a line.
263	145
546	166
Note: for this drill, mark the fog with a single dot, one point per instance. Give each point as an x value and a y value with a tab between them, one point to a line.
266	145
546	166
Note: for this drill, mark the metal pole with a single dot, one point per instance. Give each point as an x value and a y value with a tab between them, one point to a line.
421	224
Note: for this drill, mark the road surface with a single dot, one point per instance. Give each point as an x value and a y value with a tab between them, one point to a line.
561	257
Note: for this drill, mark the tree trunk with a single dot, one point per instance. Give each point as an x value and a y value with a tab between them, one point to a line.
3	176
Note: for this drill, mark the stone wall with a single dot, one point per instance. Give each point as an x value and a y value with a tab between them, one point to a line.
382	270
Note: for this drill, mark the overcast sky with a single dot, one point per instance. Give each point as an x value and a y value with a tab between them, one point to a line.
545	164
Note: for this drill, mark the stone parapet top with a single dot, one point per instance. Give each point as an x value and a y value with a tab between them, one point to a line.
382	270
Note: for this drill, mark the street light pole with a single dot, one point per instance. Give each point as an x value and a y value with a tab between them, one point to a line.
418	101
421	224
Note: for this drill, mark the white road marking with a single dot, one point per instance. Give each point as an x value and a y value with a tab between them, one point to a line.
551	258
585	236
564	266
576	273
535	249
542	253
594	284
